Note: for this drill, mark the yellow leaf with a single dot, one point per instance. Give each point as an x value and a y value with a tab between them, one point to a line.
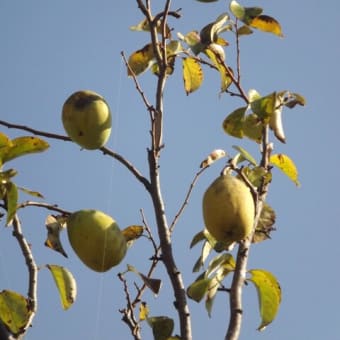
286	165
12	200
4	140
266	23
143	311
14	311
66	284
132	233
22	146
141	60
216	58
269	294
192	75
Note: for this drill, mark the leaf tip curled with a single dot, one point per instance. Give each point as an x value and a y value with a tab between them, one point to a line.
213	157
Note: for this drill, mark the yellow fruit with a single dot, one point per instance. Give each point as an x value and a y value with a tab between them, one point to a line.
96	239
87	119
228	209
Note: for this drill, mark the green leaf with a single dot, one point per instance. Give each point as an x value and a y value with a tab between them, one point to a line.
197	290
65	283
22	146
197	238
244	30
266	23
238	10
5	176
269	295
11	200
257	175
145	27
245	14
14	311
192	75
193	40
253	95
215	283
245	154
286	165
253	128
31	192
233	123
290	99
206	249
162	327
224	260
264	107
141	60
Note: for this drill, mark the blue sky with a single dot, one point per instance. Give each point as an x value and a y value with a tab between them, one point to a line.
51	49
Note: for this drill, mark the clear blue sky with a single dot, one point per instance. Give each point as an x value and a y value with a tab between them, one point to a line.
50	49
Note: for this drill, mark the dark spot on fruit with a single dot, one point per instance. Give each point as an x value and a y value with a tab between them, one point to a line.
82	100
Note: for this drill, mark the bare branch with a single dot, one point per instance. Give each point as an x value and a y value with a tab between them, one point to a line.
47	206
186	199
105	150
146	102
128	313
34	131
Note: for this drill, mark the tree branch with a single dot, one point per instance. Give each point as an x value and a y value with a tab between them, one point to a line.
32	272
235	296
105	150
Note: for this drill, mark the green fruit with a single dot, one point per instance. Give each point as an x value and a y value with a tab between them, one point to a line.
228	209
96	239
87	119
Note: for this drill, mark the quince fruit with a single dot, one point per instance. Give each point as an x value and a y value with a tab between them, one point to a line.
87	119
96	239
228	209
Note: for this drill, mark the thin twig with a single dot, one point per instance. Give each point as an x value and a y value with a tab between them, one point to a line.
238	54
104	150
186	199
146	102
34	131
47	206
128	313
